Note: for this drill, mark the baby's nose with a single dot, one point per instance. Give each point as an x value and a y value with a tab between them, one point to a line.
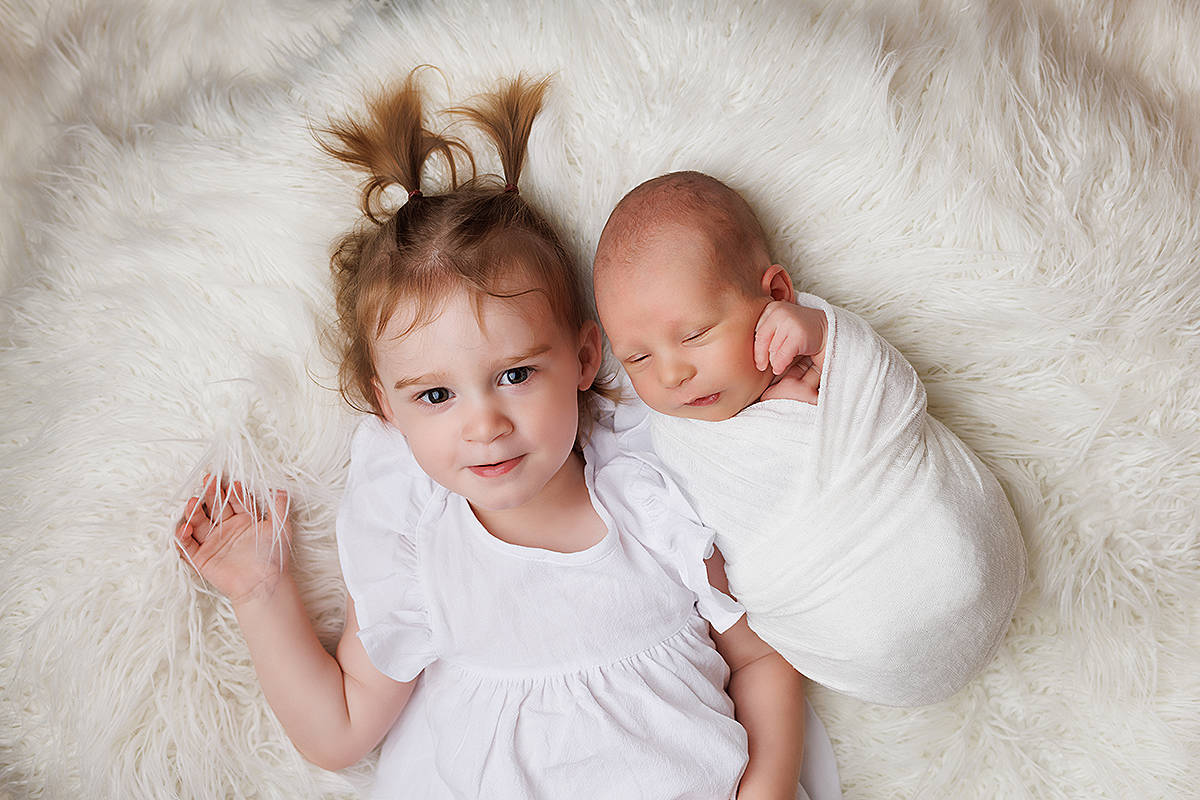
675	372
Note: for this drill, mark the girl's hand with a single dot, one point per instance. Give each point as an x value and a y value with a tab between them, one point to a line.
228	539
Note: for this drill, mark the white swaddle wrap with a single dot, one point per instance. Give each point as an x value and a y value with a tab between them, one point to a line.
869	546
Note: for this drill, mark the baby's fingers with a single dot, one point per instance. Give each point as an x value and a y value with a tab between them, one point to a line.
765	342
791	388
784	350
812	376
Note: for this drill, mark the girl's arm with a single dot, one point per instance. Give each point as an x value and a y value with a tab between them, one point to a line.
768	700
334	709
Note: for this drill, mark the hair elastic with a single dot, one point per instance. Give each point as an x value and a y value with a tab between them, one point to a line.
414	193
511	187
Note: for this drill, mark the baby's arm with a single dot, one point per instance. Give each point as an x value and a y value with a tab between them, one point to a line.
333	709
790	339
768	700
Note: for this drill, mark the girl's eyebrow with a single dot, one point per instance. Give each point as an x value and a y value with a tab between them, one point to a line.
533	352
438	377
429	377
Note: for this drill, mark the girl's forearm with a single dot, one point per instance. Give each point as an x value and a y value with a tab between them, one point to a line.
768	697
303	683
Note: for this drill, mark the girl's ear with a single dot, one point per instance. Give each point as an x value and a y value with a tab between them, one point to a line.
777	284
382	399
590	354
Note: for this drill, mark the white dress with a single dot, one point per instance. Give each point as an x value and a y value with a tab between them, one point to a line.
543	674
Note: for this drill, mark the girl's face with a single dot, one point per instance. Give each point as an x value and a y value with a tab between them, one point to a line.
488	402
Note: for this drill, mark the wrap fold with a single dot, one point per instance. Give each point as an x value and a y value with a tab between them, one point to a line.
868	545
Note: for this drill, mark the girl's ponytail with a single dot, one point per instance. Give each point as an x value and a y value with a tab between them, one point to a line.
391	145
473	237
506	116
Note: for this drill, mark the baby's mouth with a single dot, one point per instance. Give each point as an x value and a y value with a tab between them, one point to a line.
497	469
707	400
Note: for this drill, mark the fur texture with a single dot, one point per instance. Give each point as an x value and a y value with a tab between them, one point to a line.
1007	191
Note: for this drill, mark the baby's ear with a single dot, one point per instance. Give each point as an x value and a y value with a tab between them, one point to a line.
591	352
777	284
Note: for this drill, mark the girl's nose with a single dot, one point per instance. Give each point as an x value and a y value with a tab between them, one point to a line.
673	372
487	423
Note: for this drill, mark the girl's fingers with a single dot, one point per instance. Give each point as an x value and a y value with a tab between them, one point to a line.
208	496
195	518
218	499
280	504
185	539
237	499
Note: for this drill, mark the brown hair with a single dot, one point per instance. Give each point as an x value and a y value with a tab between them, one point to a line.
471	237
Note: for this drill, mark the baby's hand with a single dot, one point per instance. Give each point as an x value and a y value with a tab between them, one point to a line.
229	540
801	382
786	335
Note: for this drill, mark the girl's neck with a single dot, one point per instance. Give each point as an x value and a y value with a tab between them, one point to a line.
560	518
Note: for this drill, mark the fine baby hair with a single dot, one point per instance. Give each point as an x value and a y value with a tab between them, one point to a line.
474	237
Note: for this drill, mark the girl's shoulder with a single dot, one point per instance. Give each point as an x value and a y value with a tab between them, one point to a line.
377	443
386	490
379	455
386	497
648	505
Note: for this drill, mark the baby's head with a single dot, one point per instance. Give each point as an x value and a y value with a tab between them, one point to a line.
681	275
462	316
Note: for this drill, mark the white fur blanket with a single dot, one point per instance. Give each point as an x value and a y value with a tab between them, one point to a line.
1006	191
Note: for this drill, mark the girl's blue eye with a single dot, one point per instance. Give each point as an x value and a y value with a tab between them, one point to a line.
434	396
515	375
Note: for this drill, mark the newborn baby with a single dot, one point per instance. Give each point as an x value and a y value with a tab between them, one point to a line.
868	545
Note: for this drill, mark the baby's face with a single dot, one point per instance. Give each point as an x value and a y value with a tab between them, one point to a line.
682	329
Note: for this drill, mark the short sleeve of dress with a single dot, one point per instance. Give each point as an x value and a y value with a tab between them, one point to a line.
666	522
377	536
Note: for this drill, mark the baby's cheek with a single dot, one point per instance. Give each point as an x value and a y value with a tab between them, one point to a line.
644	389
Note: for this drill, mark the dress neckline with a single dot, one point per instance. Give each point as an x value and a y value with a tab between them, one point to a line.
589	554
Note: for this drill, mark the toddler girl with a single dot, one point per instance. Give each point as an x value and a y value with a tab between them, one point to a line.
529	608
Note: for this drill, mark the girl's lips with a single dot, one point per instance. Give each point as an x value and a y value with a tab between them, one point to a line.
497	469
707	400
